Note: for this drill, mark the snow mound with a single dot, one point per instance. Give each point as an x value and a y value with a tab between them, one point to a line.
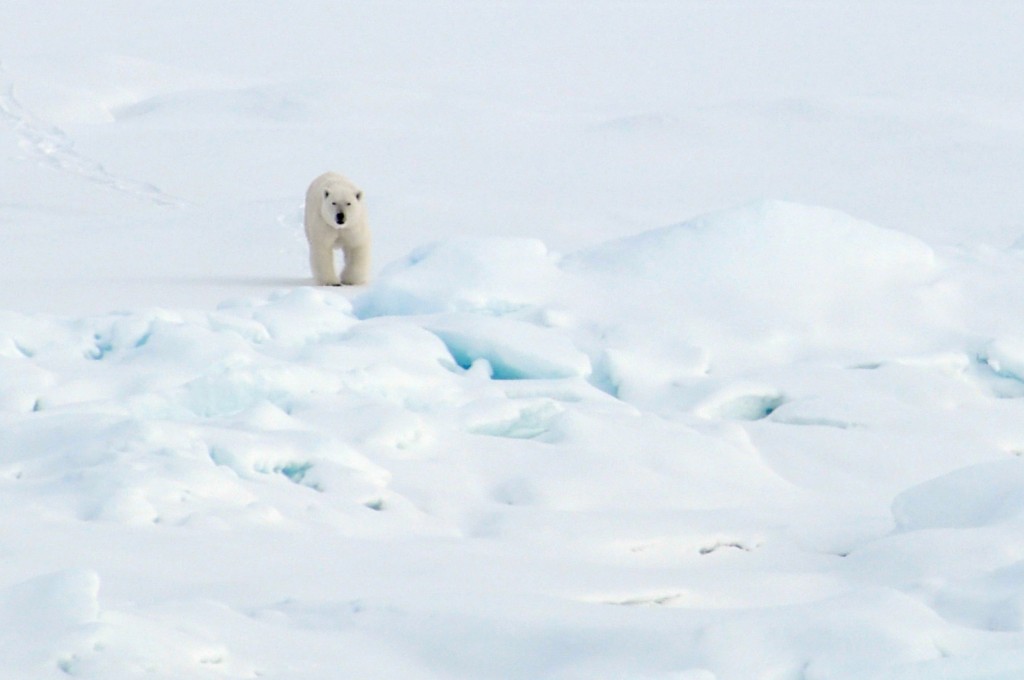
976	496
765	249
487	275
764	284
773	265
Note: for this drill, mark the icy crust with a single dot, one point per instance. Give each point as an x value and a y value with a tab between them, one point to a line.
500	462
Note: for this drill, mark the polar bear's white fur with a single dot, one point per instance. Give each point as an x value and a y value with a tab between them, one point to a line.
336	218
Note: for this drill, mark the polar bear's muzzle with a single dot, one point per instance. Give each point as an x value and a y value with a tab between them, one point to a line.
339	218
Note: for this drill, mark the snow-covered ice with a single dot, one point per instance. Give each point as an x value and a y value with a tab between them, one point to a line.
695	348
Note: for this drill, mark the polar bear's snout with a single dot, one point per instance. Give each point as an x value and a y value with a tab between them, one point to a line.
337	211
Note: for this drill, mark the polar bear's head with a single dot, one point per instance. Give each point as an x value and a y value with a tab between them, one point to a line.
342	204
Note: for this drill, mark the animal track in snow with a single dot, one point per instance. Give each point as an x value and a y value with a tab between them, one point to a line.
55	148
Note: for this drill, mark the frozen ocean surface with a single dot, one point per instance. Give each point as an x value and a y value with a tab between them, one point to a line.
694	351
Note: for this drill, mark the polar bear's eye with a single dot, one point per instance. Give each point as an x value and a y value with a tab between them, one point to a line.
359	195
327	194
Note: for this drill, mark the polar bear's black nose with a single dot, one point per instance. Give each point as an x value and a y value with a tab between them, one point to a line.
340	218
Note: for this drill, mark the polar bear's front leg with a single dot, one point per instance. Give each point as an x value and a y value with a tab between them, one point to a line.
321	261
357	265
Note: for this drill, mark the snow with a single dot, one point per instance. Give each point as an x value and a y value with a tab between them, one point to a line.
694	349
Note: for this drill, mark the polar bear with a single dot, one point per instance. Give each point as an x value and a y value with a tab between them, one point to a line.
336	218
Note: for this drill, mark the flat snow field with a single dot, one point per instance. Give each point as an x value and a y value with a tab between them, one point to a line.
694	348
